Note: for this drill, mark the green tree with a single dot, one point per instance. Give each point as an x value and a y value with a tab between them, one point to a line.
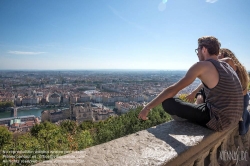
5	140
70	136
6	104
84	139
128	123
87	125
26	145
51	137
5	137
69	126
38	127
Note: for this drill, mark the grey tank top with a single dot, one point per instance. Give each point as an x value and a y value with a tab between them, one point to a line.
225	100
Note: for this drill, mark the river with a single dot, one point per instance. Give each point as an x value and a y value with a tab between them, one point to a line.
35	111
26	111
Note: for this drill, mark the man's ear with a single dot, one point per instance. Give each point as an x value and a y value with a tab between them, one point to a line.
204	50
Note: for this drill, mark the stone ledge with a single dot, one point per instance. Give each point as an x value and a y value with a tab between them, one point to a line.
159	145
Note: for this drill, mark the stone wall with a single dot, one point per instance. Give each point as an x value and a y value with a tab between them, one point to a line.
171	143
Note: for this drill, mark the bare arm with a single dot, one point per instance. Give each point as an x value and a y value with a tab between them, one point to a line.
230	62
172	90
191	96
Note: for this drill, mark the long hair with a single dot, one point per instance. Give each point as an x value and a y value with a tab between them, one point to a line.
241	70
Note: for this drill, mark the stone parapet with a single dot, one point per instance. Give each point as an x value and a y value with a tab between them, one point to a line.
171	143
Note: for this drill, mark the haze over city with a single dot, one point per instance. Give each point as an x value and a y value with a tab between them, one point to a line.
124	34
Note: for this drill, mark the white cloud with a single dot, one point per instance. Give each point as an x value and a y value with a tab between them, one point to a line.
25	53
211	1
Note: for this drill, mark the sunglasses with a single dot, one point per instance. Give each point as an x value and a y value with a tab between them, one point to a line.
197	49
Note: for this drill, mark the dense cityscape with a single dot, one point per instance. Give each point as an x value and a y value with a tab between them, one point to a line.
39	96
78	81
43	112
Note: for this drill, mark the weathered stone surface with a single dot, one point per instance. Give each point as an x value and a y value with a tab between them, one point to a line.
154	146
172	143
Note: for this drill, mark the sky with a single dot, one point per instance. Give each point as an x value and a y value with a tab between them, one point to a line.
118	34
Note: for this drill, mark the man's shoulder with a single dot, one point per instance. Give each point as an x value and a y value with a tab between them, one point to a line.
203	64
204	67
199	68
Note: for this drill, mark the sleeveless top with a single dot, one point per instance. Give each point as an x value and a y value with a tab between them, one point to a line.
225	100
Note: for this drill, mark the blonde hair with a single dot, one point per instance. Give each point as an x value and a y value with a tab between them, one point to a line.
241	70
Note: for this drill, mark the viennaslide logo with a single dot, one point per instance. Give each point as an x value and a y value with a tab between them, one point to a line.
237	155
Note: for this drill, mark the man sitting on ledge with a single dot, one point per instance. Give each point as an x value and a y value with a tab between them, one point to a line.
224	103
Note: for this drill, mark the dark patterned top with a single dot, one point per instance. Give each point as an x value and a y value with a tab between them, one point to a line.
225	100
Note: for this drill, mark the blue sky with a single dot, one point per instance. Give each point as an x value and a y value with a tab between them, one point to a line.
118	34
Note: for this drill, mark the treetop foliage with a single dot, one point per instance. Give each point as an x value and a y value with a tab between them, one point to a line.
6	104
71	136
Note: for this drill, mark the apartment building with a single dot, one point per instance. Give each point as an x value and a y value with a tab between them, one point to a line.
123	107
30	101
73	99
108	99
55	115
65	99
83	98
54	98
96	97
136	98
19	124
